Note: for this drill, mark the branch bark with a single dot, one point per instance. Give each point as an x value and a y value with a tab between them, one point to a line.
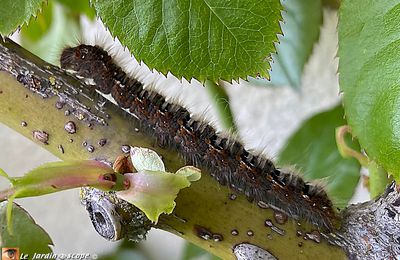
207	214
371	230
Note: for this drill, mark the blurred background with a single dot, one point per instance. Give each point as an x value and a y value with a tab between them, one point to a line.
266	116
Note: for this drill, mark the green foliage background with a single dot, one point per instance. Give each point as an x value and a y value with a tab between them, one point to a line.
225	40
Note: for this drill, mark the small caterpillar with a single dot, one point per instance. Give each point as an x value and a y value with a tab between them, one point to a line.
199	144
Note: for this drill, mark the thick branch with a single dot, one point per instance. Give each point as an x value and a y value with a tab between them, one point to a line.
372	229
207	214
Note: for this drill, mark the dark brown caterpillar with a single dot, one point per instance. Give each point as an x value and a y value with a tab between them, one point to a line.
225	159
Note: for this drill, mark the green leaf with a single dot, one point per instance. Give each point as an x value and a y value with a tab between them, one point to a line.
14	13
313	150
151	189
369	65
220	98
191	173
301	26
378	180
153	192
40	25
146	159
79	6
192	252
52	30
202	39
5	175
58	176
28	236
125	251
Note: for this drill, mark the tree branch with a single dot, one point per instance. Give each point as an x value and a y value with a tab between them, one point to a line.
371	230
206	214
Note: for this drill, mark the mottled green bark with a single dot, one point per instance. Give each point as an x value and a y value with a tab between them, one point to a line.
204	206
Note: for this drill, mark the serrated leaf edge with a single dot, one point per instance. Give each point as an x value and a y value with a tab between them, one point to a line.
27	21
181	79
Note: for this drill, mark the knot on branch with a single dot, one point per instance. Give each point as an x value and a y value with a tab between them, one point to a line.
114	218
371	230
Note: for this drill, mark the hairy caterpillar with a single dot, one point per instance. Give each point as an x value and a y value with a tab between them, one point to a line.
199	144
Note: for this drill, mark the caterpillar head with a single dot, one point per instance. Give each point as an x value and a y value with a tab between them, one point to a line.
77	58
90	62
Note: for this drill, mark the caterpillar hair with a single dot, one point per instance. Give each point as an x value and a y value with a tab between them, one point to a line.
224	158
